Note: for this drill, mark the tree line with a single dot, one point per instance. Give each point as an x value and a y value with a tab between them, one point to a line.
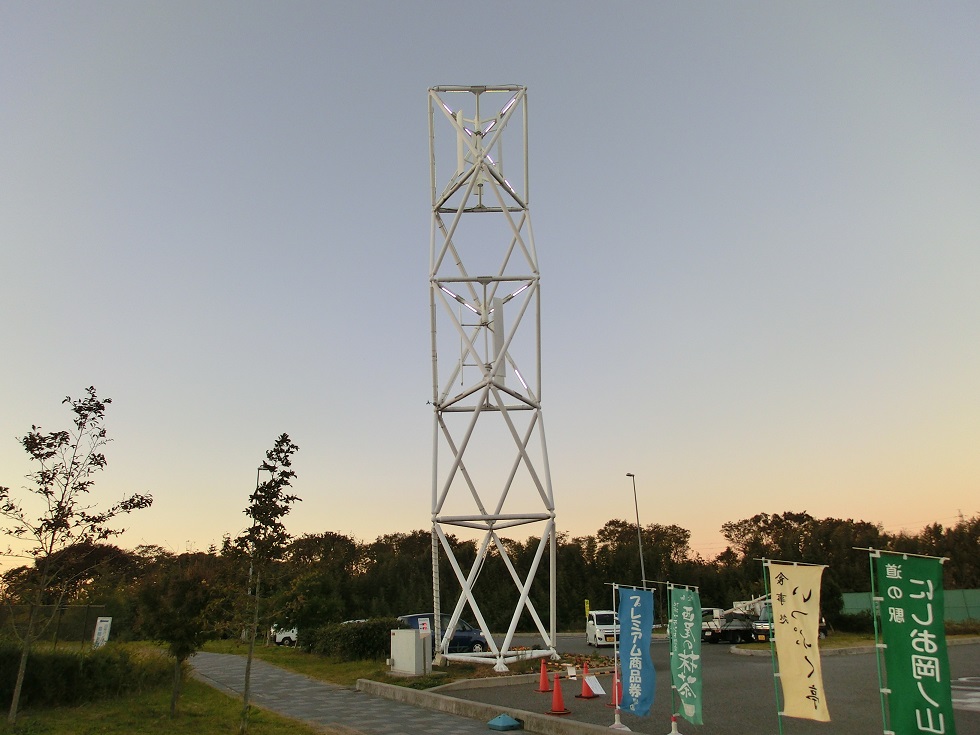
331	577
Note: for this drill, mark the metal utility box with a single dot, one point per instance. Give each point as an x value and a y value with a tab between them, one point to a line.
411	652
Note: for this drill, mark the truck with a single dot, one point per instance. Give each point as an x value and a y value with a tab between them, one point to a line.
728	626
734	625
762	628
754	607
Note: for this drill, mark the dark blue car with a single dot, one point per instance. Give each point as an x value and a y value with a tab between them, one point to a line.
466	637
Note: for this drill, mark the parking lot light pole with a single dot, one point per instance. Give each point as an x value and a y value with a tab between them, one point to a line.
639	536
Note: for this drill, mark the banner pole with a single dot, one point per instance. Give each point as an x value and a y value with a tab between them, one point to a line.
875	610
617	721
670	646
772	646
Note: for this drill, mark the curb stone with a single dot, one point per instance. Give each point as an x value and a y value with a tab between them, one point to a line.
853	651
533	721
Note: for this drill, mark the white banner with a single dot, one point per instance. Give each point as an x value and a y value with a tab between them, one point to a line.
795	594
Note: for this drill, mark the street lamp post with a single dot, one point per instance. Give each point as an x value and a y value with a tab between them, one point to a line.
639	536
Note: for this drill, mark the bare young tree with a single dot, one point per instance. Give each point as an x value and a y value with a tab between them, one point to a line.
56	512
264	542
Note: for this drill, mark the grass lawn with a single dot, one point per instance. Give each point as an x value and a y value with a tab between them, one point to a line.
345	673
834	640
848	640
202	711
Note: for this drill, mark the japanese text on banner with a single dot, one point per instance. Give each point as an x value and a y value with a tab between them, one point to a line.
911	612
685	651
795	595
636	665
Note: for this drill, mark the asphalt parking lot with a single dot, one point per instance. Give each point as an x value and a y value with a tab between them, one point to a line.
739	695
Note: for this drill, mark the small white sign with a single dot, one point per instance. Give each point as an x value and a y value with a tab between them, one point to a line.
569	671
424	625
594	684
101	637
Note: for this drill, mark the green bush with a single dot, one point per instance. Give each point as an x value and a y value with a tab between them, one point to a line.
963	627
55	678
859	622
352	641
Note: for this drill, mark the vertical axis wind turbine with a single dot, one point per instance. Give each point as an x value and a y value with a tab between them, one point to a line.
490	462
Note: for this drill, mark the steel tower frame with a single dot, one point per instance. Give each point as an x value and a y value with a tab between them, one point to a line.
482	258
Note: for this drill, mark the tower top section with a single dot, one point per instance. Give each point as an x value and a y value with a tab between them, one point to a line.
479	88
471	127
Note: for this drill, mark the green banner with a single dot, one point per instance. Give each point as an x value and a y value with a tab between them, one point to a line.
685	651
910	594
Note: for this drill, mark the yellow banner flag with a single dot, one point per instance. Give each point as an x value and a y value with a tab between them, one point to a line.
795	594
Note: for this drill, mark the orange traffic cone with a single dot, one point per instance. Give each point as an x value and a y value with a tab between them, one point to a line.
543	684
617	690
587	692
557	702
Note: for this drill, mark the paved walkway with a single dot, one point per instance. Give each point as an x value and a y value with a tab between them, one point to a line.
302	698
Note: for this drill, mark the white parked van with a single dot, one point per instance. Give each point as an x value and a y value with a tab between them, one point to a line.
602	628
283	637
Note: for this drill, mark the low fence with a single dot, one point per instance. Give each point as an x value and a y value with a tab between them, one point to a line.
961	605
57	624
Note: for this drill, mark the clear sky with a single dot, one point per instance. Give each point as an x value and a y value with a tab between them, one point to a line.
758	226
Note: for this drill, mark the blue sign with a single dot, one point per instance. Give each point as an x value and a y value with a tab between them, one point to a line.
636	666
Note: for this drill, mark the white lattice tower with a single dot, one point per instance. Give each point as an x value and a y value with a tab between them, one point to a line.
490	462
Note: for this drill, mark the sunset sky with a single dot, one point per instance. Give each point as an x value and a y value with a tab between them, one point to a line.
758	227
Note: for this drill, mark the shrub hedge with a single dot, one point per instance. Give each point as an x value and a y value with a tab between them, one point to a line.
55	678
963	627
352	641
862	622
859	622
